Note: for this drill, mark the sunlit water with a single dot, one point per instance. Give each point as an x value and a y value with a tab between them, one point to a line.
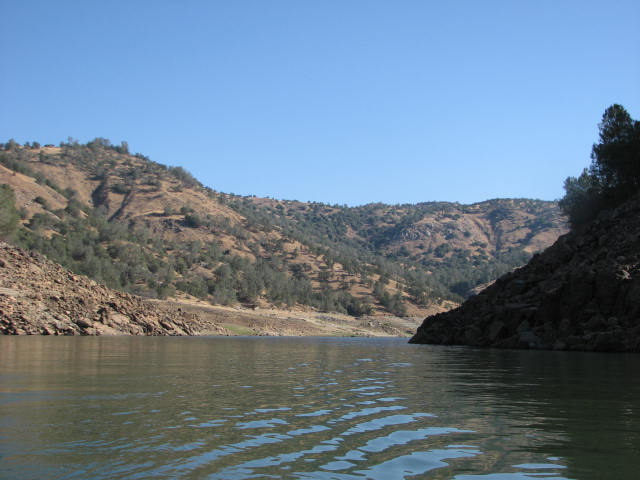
308	408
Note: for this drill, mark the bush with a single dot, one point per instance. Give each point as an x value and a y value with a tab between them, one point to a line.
192	220
42	201
184	176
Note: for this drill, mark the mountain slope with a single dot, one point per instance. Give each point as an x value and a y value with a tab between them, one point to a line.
40	297
460	246
153	230
583	293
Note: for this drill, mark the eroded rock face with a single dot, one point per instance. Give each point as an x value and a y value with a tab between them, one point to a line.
582	293
38	296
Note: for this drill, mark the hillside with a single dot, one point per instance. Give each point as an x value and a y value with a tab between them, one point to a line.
459	246
154	230
583	293
40	297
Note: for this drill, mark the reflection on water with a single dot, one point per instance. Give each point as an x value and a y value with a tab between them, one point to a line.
304	408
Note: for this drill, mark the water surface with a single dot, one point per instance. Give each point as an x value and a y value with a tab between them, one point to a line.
312	408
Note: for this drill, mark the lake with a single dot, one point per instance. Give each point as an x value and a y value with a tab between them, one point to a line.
312	408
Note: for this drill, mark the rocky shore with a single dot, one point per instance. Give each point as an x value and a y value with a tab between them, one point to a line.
38	296
582	293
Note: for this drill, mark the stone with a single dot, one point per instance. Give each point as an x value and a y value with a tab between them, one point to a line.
83	323
529	338
565	326
495	330
613	323
596	322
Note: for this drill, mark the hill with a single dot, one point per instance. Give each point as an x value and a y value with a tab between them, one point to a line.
40	297
583	293
154	230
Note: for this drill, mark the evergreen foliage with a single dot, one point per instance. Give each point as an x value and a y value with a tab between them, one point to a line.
614	173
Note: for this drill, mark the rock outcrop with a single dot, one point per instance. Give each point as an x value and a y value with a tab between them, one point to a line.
582	293
38	296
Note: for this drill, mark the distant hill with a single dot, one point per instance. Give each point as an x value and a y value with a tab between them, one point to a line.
142	227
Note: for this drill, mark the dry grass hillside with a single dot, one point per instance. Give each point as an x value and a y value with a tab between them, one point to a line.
485	228
154	230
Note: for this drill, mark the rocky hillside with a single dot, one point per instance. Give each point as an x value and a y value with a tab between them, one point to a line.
40	297
154	230
583	293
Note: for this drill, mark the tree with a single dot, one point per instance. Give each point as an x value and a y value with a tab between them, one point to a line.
192	220
9	216
614	174
98	143
123	148
581	201
616	159
11	145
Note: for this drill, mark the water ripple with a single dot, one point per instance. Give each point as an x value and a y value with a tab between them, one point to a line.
328	411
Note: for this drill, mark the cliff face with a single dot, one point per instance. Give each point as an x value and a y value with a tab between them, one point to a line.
40	297
582	293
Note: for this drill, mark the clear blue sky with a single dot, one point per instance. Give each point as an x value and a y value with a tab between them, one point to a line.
339	101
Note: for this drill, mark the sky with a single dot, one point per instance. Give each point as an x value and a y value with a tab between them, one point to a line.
335	101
